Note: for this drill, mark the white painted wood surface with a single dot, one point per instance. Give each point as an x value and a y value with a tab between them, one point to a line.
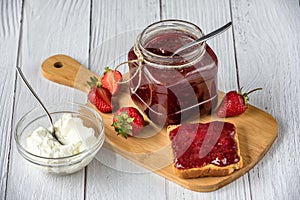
10	15
264	43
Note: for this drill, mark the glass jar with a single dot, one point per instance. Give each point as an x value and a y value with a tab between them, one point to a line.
171	88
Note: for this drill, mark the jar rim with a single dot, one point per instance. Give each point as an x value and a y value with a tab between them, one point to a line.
194	30
172	20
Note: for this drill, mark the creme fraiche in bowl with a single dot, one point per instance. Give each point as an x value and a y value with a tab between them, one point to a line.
78	127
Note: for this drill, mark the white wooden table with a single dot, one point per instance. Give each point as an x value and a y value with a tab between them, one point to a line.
264	44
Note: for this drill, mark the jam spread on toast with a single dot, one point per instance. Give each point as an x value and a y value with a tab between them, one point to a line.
197	145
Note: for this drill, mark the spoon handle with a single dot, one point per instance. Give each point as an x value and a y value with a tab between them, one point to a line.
204	38
34	94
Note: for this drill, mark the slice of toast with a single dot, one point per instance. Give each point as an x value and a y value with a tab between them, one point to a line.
210	149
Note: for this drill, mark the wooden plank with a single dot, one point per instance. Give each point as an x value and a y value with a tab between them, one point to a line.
115	24
48	27
10	13
267	36
209	15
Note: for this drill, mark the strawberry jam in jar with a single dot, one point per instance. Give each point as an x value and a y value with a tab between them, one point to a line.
171	88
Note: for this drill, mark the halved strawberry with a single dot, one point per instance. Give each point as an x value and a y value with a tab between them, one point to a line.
128	121
99	96
110	80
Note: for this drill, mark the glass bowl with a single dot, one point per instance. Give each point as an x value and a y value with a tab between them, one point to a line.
70	163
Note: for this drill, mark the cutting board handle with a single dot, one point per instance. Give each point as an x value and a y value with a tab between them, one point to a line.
65	70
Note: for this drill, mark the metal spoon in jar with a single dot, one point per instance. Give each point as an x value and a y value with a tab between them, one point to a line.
52	132
204	38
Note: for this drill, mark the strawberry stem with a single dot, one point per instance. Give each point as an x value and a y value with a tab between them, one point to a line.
253	91
107	69
93	82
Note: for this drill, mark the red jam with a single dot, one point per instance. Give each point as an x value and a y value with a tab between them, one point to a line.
169	95
197	145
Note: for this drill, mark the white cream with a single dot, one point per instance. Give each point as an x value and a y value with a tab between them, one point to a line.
69	130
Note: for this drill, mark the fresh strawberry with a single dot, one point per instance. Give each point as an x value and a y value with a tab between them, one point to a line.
99	96
110	80
234	103
128	121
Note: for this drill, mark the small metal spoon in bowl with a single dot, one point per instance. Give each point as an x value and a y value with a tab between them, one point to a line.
204	38
52	131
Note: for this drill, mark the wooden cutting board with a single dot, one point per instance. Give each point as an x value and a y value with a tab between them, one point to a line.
256	129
